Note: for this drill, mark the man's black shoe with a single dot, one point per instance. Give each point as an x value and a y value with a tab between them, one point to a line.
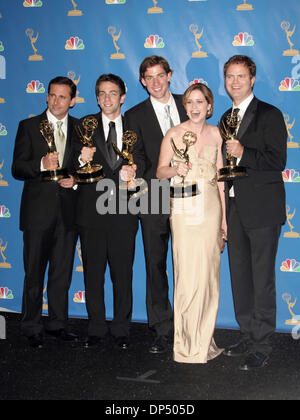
123	342
63	335
254	360
36	341
92	341
236	350
159	345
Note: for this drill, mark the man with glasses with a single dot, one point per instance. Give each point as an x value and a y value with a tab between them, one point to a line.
150	120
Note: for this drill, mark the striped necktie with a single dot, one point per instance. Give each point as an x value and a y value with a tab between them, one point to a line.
168	116
60	142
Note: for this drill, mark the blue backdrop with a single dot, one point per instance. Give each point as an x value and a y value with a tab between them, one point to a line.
40	39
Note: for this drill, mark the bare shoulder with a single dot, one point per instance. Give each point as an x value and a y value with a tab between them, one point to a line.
177	132
215	134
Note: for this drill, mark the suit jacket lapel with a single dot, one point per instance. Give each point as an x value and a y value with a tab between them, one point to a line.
151	118
41	139
180	108
68	148
99	139
248	117
123	124
120	162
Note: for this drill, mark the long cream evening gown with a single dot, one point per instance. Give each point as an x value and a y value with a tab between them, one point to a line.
196	242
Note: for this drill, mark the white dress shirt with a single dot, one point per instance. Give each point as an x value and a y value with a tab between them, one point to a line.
160	112
244	105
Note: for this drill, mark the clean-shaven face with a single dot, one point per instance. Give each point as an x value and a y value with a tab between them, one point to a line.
156	81
197	106
110	99
59	100
238	82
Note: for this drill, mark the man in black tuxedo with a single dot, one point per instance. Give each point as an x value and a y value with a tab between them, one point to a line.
150	120
107	236
255	212
47	215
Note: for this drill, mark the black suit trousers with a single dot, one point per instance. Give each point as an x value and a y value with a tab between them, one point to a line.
252	255
56	246
156	234
114	246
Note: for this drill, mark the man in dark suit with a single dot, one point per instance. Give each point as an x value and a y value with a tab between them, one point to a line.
150	120
255	212
106	235
47	215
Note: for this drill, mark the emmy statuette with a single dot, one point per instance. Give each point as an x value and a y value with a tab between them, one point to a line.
52	174
129	139
184	190
89	173
228	131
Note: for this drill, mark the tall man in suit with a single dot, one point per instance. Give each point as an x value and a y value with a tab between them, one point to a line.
47	216
150	120
106	236
255	212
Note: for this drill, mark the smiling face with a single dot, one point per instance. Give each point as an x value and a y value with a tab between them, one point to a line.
156	81
238	82
198	101
197	106
110	99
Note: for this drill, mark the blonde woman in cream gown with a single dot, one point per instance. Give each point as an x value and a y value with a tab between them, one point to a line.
198	229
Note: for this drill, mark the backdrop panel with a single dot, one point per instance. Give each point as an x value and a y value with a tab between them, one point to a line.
40	39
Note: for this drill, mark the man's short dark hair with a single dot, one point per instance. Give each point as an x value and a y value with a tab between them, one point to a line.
62	80
241	59
151	61
113	78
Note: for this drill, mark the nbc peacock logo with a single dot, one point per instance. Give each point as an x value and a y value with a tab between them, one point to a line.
35	86
198	80
290	266
291	175
3	131
154	41
6	293
79	297
4	212
243	39
1	46
289	84
115	1
33	3
74	44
